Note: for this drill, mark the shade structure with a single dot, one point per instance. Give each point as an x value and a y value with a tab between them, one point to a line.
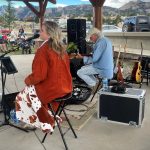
97	9
97	12
42	7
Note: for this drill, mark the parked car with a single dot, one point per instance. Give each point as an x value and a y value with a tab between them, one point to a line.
111	28
136	24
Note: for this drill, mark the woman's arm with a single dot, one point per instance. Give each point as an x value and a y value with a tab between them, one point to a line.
39	70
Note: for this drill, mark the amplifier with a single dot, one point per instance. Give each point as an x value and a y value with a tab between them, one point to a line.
125	108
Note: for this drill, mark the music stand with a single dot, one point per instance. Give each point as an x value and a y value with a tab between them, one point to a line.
8	67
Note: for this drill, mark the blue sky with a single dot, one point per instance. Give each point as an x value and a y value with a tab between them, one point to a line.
62	3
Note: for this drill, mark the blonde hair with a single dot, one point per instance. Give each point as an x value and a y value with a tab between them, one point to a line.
55	40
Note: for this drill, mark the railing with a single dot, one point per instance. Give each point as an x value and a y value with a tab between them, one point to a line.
132	40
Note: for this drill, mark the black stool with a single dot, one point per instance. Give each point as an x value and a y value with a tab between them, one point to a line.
98	85
60	109
146	72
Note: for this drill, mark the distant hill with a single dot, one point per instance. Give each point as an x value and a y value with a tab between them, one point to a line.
131	8
138	7
72	10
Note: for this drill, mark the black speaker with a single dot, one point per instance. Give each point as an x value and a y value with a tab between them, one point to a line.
76	32
82	46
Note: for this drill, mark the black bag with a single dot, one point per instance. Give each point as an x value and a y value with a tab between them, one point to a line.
118	89
79	95
9	102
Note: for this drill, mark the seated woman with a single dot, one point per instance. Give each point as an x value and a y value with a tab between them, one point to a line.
50	79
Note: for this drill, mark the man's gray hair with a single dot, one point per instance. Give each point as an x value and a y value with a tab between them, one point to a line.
95	31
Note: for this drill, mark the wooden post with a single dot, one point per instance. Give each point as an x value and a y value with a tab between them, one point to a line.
97	13
42	5
98	17
41	13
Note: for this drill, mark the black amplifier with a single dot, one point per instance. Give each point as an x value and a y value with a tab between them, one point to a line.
123	108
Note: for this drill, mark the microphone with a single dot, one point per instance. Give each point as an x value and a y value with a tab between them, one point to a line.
35	36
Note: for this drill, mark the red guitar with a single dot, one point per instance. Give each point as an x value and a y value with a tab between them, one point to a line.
119	75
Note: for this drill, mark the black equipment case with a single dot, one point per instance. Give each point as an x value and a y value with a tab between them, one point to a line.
123	108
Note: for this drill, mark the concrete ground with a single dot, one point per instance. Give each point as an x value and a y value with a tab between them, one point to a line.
95	135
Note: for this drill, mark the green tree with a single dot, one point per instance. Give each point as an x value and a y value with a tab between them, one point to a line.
9	16
88	16
118	19
108	20
36	19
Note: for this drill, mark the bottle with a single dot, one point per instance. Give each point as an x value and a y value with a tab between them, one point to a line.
13	117
105	84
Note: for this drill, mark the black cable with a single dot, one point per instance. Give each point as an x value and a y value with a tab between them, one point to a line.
82	110
5	87
15	83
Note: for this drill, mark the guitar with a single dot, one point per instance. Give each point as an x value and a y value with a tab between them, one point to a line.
117	69
119	74
123	57
136	72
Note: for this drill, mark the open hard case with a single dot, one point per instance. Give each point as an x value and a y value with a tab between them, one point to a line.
123	108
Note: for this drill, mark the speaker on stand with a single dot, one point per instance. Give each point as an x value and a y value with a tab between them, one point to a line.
76	33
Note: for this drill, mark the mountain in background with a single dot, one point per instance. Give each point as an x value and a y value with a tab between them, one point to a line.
130	8
138	7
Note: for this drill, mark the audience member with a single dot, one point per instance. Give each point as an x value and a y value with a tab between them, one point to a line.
3	46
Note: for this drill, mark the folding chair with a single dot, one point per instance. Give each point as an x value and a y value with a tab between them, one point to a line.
60	109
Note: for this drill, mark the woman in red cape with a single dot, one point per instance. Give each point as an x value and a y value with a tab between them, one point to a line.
50	79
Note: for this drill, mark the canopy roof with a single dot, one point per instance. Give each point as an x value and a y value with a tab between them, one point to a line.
97	5
52	1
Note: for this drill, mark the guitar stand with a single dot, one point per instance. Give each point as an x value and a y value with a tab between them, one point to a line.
5	107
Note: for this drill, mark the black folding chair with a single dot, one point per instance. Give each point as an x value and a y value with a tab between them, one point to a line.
62	103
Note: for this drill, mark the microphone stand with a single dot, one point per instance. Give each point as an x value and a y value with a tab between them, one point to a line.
5	110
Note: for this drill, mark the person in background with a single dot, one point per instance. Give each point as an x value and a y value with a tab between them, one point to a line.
3	46
50	79
5	38
21	31
13	37
101	61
